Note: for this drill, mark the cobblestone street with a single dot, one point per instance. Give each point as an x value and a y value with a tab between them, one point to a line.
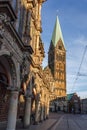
58	121
62	122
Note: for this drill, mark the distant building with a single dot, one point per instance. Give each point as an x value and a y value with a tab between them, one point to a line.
55	72
73	103
84	106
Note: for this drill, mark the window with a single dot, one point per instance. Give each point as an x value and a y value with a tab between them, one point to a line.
17	25
14	3
60	47
21	21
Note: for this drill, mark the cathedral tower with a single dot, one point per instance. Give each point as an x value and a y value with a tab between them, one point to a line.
57	59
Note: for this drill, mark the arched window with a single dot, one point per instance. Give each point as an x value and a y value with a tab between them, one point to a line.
3	80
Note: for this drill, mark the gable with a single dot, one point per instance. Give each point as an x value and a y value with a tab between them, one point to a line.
47	74
60	45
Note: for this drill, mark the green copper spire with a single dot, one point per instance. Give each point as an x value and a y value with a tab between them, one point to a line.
57	33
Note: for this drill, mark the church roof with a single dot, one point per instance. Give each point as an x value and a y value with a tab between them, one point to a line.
57	33
69	96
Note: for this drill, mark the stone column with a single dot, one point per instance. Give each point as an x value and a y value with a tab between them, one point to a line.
42	112
27	112
48	110
37	112
12	114
45	111
45	106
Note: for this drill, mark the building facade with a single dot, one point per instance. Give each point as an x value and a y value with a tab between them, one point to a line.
22	88
84	106
39	101
73	103
25	88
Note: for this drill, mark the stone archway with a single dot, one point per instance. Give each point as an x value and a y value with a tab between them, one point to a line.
4	97
27	96
7	73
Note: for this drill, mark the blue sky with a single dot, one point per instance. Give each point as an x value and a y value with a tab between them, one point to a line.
73	20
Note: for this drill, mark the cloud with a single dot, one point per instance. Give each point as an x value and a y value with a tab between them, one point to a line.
76	48
73	21
82	94
74	57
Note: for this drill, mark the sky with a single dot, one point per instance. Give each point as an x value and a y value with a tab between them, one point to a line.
73	20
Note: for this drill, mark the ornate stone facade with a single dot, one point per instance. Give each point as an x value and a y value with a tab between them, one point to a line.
22	84
41	99
15	59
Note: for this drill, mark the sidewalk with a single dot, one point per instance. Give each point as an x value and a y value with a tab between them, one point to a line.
45	125
84	116
41	126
